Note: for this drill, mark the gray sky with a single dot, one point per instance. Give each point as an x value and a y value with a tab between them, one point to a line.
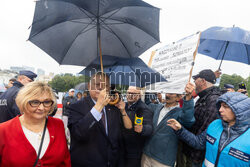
178	19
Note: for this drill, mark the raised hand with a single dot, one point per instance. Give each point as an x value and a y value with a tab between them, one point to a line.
189	89
174	124
138	128
102	100
121	105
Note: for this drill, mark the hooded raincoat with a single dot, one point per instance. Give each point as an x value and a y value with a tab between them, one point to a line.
225	145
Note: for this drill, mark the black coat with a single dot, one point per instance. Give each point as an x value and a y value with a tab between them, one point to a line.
205	112
8	107
90	146
71	100
133	141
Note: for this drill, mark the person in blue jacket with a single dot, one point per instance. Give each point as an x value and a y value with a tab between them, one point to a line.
161	148
226	140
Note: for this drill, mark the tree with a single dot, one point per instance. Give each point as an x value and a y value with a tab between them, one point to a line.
248	85
234	80
231	79
64	82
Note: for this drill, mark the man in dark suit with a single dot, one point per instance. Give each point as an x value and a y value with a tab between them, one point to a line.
95	127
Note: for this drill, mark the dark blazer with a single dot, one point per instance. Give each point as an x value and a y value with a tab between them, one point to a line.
90	146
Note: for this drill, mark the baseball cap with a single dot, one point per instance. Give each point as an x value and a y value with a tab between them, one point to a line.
28	74
207	74
71	90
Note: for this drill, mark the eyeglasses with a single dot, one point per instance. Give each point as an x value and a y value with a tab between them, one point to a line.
36	103
133	94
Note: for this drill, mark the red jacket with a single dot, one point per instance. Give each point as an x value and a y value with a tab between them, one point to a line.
16	150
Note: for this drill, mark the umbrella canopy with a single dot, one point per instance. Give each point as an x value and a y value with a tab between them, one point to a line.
130	72
226	43
82	86
70	30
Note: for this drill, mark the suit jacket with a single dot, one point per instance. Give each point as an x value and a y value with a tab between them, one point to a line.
90	145
162	145
16	150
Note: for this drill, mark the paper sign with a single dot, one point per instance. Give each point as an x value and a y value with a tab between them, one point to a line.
174	62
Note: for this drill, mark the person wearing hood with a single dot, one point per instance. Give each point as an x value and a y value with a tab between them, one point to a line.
8	107
226	140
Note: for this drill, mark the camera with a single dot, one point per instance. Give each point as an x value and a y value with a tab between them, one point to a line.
242	85
242	88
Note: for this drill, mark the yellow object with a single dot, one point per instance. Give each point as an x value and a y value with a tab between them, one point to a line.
138	120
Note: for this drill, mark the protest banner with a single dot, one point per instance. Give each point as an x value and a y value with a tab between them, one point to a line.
175	62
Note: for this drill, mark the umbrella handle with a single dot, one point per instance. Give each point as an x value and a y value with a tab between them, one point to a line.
99	40
223	54
117	99
100	52
220	64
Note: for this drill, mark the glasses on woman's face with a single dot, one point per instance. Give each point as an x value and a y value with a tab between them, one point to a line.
36	103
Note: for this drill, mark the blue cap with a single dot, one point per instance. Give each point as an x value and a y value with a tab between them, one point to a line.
228	86
28	74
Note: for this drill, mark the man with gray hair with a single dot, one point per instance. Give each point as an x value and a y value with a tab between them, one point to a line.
8	107
142	127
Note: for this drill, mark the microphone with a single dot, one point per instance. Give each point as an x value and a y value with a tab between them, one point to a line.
138	116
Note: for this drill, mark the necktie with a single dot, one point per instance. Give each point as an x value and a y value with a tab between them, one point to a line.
103	119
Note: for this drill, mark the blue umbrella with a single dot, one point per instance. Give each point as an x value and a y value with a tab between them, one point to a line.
131	72
226	44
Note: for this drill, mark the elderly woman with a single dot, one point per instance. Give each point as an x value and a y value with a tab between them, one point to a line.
34	139
226	139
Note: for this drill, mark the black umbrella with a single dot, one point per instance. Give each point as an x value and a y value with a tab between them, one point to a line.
82	86
130	72
72	31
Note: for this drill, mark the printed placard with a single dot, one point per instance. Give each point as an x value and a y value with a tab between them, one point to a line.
174	62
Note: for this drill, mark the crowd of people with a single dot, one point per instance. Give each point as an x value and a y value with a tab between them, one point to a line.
204	127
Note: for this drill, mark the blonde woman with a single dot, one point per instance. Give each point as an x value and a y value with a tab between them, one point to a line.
33	138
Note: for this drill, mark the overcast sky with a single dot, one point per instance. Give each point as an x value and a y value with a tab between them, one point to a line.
178	19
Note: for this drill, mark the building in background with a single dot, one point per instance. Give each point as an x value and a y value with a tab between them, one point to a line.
17	68
45	78
5	75
40	72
